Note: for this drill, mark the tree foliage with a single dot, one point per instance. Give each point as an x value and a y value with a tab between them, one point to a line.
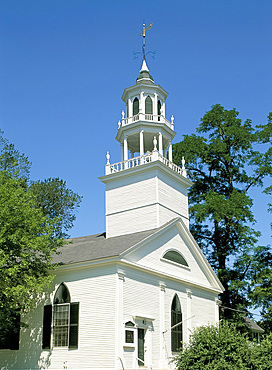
224	164
34	219
57	202
27	243
12	160
223	347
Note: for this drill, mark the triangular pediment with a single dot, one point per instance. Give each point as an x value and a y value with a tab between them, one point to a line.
174	237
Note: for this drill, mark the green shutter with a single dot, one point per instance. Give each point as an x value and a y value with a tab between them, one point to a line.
47	319
135	106
73	332
15	334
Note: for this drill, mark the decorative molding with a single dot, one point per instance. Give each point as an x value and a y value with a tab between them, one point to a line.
189	293
121	275
162	286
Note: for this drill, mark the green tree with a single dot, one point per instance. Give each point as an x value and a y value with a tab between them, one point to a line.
57	202
224	165
27	243
12	160
224	347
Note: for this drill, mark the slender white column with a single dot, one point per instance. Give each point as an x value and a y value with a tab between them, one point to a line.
125	151
122	152
142	142
170	152
160	143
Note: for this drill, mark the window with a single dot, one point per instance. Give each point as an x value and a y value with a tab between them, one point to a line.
64	316
129	333
175	256
176	330
148	106
135	106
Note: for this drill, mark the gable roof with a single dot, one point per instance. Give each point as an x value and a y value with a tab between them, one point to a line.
92	247
97	247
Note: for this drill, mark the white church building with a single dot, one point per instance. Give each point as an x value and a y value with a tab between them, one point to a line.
127	298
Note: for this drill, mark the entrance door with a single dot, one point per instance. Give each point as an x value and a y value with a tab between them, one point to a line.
141	342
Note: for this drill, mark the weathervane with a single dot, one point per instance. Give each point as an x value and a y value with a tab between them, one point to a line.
143	48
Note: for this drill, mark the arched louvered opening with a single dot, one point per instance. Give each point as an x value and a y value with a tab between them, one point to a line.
135	106
62	295
176	324
148	106
175	256
159	109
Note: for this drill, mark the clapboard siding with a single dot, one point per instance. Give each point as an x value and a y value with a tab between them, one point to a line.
144	200
172	195
146	289
140	192
132	221
94	289
151	256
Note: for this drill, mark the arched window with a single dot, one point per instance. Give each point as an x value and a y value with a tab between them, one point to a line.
148	105
64	316
135	106
176	324
175	256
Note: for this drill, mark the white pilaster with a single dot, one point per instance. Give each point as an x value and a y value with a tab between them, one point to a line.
217	305
163	355
160	143
155	104
189	314
129	113
142	103
119	330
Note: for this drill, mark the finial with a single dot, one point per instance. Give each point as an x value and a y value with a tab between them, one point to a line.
155	142
184	172
108	157
143	34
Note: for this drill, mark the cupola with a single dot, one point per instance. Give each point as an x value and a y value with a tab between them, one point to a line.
145	189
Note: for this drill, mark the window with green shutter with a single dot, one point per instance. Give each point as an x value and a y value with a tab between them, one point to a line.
61	320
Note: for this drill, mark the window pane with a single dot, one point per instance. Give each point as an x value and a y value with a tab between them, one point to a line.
61	325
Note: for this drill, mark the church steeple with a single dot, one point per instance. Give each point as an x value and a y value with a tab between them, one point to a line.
145	189
144	73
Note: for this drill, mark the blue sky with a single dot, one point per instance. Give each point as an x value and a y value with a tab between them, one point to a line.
65	63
